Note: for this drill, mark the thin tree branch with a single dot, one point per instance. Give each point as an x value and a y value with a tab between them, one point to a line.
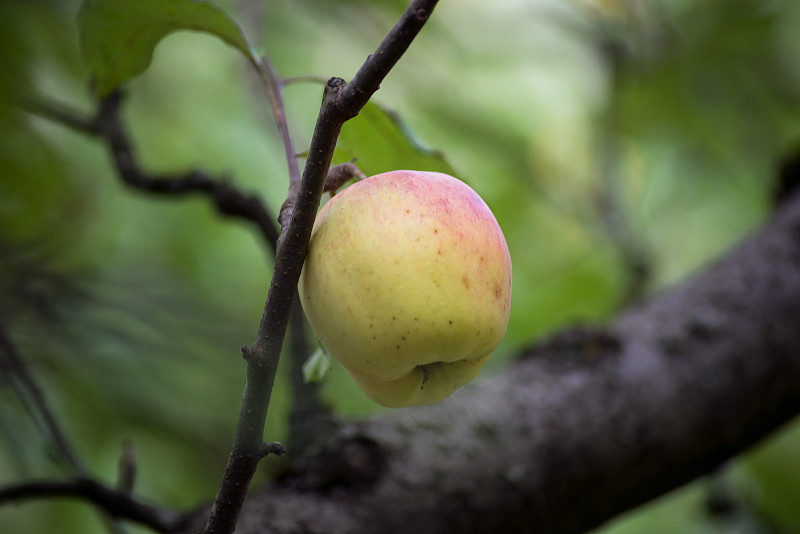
117	504
15	367
297	218
126	469
107	124
610	206
615	223
309	420
274	87
74	120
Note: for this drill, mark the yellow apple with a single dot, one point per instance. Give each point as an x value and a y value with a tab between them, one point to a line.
407	283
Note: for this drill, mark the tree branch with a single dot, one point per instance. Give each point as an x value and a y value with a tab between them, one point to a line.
297	218
117	504
107	124
16	369
309	420
274	87
584	427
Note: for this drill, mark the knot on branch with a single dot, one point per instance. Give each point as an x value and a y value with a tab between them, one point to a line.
273	447
254	356
334	84
354	463
422	14
577	347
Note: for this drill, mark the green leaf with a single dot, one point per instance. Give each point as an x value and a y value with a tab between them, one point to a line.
380	142
117	38
316	366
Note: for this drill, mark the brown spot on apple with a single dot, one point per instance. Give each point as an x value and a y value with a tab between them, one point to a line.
425	374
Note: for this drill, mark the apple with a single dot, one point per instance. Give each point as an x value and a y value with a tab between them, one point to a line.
407	284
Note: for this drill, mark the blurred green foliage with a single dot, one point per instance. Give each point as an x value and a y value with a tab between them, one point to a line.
118	38
379	141
601	133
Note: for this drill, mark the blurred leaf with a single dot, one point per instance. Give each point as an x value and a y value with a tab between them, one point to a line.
380	142
707	89
317	366
14	56
775	469
118	38
674	513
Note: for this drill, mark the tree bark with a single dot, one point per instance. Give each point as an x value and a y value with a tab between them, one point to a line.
586	426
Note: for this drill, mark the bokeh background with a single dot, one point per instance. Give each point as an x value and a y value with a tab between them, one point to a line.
622	144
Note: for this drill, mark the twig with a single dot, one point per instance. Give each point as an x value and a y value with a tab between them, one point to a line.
274	87
614	221
59	114
127	468
613	217
117	504
13	365
107	124
309	419
340	102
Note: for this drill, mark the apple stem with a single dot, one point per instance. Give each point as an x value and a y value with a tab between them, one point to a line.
340	174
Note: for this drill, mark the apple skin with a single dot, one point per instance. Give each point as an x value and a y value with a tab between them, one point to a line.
407	283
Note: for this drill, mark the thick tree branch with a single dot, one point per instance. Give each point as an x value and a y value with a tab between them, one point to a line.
117	504
585	427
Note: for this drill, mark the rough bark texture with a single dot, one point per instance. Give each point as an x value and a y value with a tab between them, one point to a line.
582	428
